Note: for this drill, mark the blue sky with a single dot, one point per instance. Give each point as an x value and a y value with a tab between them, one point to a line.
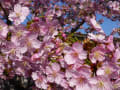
107	25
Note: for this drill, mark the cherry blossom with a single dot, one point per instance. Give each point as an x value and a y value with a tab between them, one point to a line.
3	29
101	83
19	15
116	54
76	54
54	74
43	40
97	54
40	80
115	5
94	23
97	37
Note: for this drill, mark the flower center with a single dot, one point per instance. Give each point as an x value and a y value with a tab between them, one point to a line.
18	14
54	74
19	34
29	44
107	71
81	80
1	27
97	54
12	51
40	80
75	54
100	84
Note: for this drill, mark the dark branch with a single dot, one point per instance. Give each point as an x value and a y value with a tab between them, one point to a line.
77	27
6	13
60	19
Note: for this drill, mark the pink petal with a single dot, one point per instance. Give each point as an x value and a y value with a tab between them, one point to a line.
100	72
83	55
73	82
77	47
69	59
50	78
55	67
83	87
35	76
48	70
17	8
59	78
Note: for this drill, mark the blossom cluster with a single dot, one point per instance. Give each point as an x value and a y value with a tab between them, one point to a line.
47	50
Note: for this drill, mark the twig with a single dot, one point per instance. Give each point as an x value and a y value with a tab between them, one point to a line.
77	27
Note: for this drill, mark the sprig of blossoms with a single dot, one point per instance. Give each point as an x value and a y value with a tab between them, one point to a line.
46	51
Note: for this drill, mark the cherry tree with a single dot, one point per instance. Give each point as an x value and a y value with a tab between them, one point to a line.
42	40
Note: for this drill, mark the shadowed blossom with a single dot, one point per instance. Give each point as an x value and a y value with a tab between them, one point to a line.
3	29
54	74
114	5
110	45
116	55
40	80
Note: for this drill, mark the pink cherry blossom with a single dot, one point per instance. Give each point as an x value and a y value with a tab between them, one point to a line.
40	80
80	83
77	53
31	41
64	83
19	15
116	84
115	5
20	71
110	45
105	70
116	55
94	23
97	37
43	40
54	74
100	83
1	69
3	29
97	54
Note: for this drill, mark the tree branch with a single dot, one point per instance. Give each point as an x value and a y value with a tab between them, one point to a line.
77	27
6	14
